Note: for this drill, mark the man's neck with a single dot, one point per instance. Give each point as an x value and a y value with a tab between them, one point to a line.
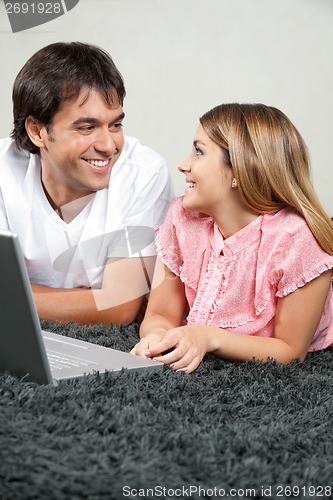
68	211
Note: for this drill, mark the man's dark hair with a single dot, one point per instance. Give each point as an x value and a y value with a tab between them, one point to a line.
58	72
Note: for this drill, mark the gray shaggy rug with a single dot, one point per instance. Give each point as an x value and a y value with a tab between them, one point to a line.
243	430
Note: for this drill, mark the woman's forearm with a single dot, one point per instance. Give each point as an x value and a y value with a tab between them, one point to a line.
155	324
236	347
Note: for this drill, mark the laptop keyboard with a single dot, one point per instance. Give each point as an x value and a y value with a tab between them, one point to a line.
61	362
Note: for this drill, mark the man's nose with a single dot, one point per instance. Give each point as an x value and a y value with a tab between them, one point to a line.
105	142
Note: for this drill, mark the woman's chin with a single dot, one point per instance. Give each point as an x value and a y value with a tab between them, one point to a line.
190	205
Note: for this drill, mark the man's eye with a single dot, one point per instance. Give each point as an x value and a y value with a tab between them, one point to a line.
86	128
117	126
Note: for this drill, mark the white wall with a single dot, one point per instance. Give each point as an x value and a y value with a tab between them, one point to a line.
181	57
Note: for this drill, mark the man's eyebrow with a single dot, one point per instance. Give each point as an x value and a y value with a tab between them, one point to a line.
119	118
92	121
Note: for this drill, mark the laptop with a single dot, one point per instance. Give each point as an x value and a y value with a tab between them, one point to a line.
27	351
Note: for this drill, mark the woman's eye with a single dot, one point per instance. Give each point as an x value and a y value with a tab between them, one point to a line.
198	152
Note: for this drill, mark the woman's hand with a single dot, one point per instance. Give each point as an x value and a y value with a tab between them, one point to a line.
182	348
146	343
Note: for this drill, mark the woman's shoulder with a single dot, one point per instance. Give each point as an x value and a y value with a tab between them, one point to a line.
284	235
186	227
285	222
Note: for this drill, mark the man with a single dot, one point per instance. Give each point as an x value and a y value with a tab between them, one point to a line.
82	198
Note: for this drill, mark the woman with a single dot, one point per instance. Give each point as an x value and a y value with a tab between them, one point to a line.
247	252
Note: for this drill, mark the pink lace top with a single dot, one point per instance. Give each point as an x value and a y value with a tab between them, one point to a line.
234	283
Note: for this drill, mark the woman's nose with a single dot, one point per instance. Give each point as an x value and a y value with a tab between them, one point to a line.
184	166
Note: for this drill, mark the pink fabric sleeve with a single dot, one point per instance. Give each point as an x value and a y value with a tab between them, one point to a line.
167	243
300	260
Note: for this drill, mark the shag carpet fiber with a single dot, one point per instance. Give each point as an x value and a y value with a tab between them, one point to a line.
237	430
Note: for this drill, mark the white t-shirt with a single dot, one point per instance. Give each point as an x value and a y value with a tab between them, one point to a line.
117	221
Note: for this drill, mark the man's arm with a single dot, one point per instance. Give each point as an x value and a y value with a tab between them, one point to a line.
125	284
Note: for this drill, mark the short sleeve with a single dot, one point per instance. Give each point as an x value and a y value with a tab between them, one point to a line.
167	243
139	195
300	260
3	218
153	194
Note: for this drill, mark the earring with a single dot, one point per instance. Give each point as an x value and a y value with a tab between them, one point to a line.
233	184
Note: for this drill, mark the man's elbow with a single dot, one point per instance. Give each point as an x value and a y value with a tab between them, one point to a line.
128	313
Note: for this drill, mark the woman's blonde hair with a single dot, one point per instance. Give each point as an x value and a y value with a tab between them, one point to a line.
270	162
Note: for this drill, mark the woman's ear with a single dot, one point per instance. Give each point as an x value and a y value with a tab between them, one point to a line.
35	131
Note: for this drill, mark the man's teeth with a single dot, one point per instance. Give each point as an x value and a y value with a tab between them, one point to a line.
99	163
